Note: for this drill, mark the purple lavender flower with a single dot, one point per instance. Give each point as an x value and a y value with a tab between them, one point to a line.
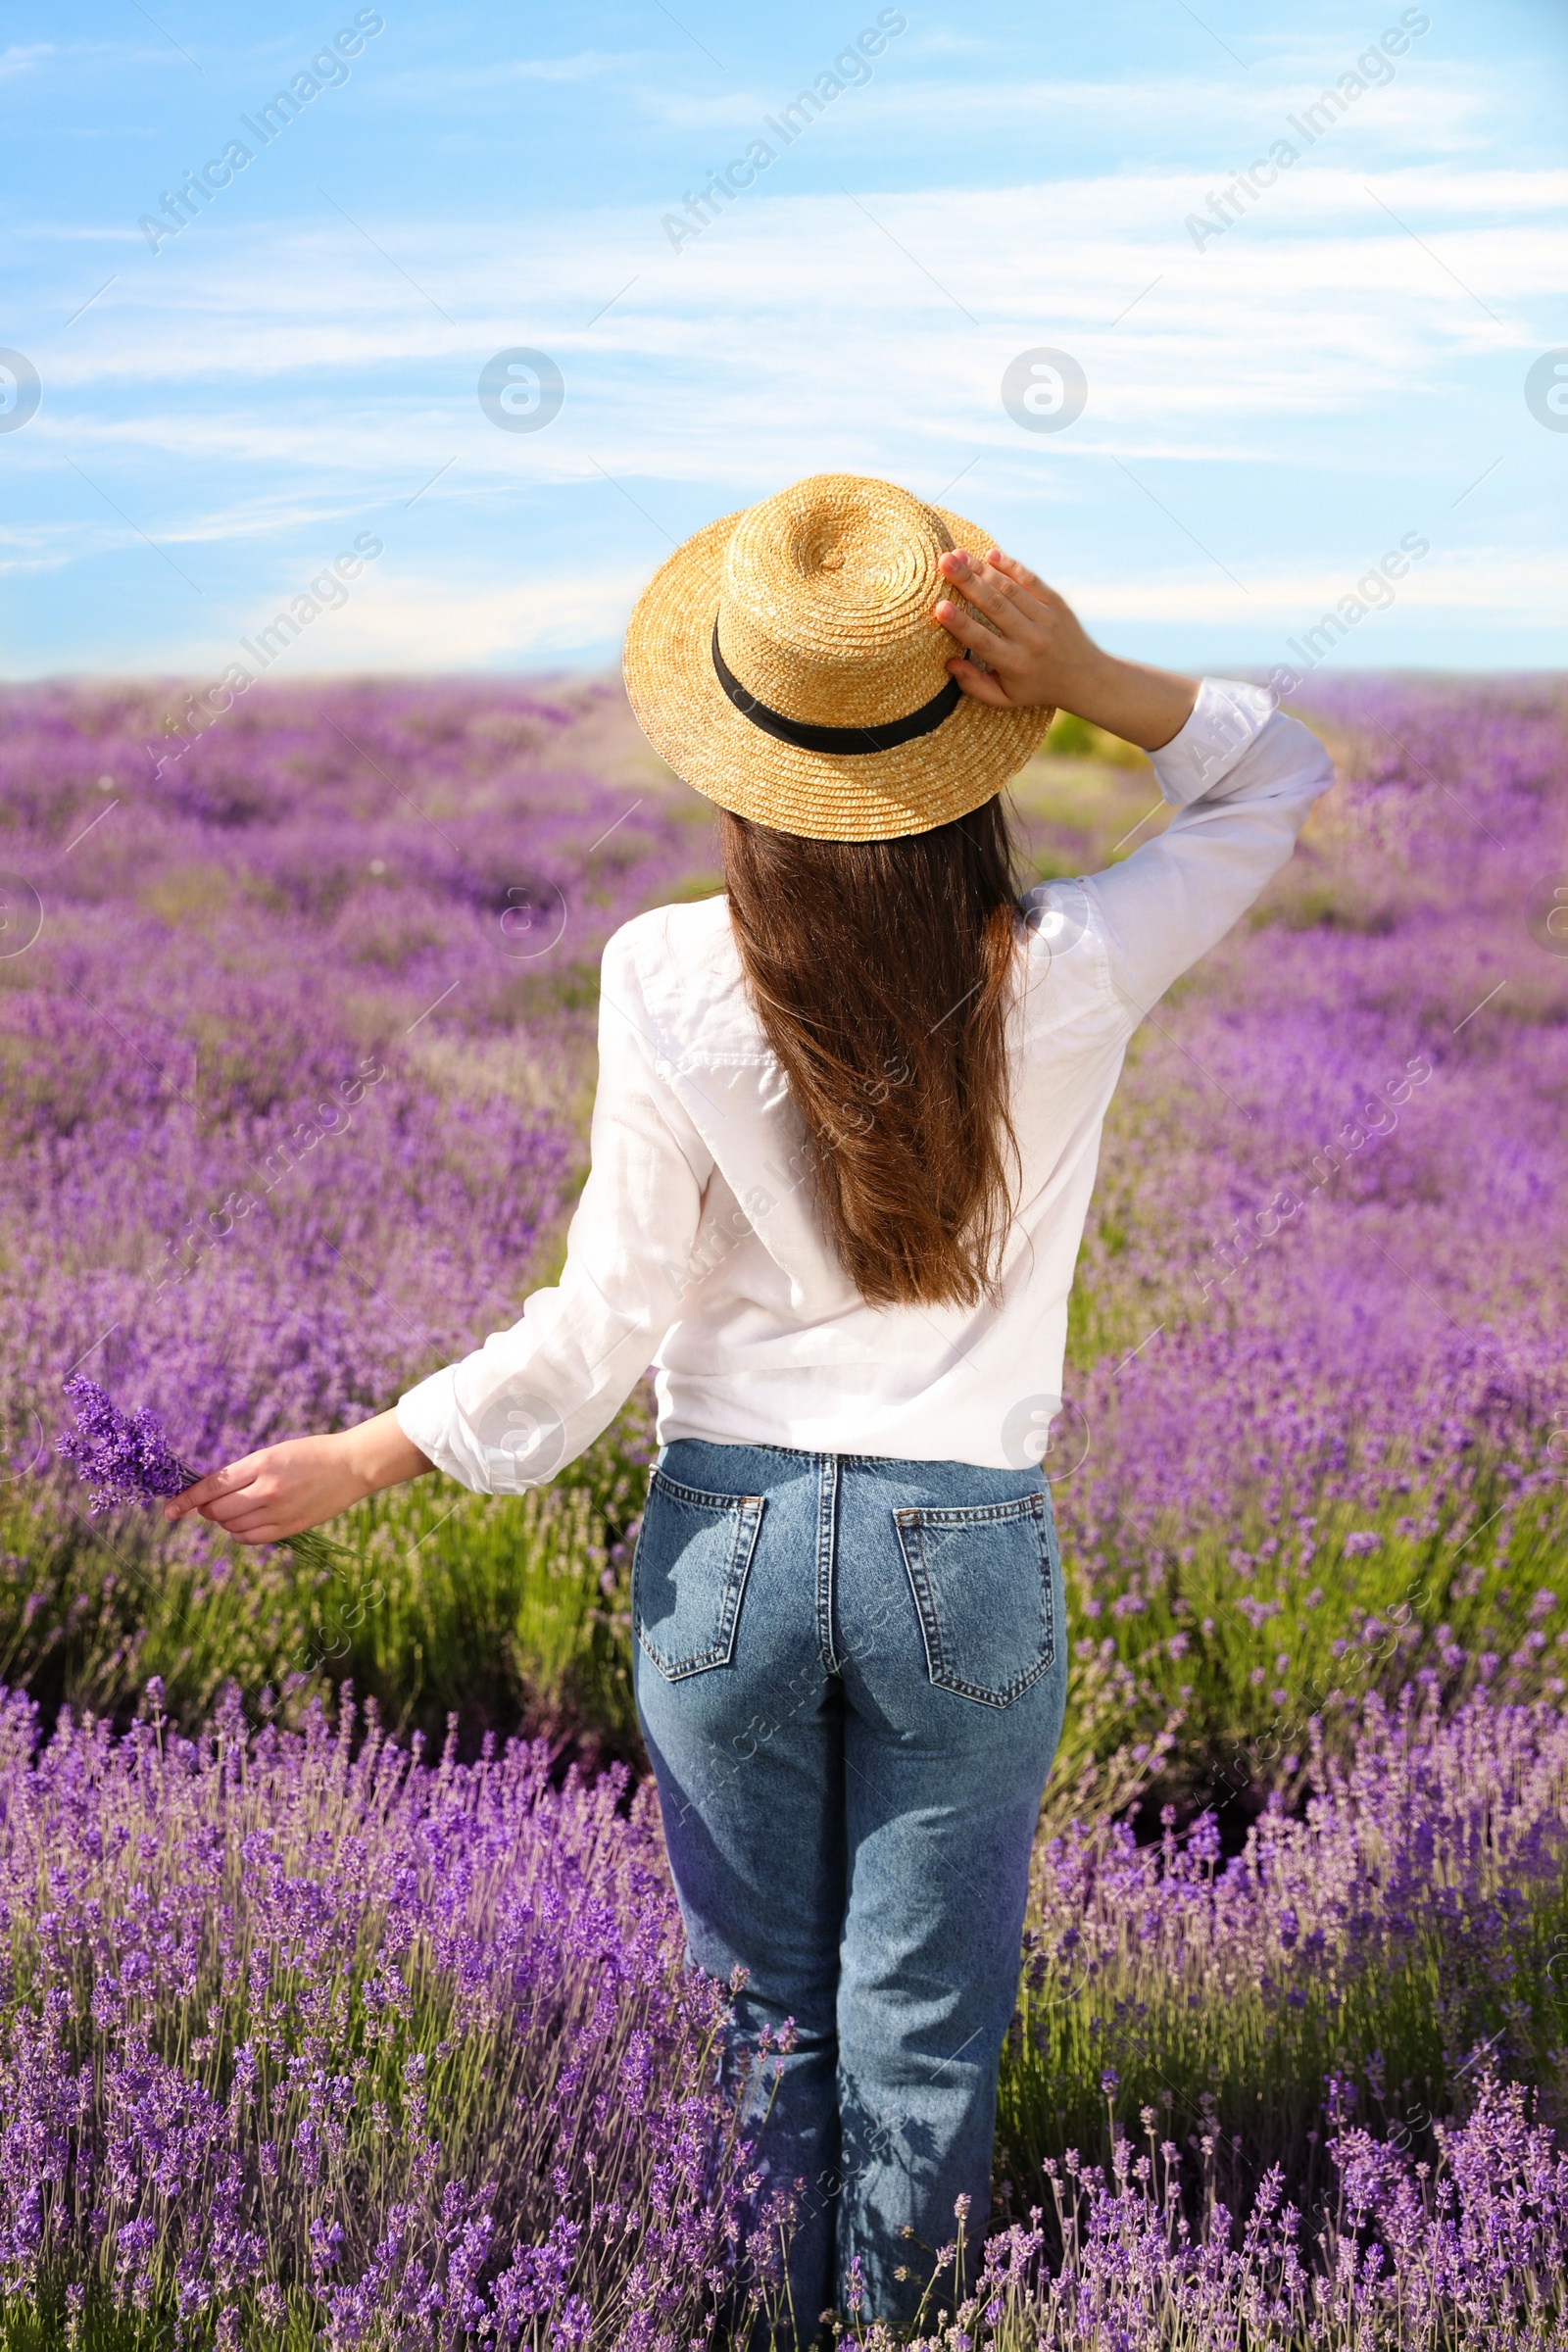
123	1457
1459	2256
421	1988
210	2036
127	1457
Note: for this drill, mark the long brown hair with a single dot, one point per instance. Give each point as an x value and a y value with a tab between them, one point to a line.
881	972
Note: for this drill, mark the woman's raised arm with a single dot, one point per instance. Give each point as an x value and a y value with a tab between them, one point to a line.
1036	652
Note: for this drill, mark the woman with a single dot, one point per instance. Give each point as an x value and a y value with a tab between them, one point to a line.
842	1147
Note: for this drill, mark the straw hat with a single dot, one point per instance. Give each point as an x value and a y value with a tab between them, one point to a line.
785	663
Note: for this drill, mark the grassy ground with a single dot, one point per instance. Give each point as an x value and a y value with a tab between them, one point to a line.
511	1615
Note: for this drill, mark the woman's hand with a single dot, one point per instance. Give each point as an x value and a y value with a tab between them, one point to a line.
280	1491
1037	653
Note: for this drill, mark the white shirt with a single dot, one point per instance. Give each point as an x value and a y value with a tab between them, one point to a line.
695	1247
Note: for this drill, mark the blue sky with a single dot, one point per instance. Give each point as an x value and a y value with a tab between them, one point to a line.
1271	404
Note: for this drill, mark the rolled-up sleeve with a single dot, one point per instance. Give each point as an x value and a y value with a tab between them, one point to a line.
1242	777
529	1400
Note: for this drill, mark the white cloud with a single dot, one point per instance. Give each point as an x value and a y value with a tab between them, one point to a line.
75	57
408	621
1317	262
1496	583
24	58
447	617
402	619
262	381
468	83
277	390
1442	109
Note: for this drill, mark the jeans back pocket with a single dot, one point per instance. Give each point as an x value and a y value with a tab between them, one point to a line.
689	1574
983	1581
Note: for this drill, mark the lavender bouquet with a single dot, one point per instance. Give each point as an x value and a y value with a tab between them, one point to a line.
126	1457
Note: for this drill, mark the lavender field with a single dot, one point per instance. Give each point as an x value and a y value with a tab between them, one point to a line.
361	2019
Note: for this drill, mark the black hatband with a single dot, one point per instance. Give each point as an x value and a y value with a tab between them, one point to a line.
806	738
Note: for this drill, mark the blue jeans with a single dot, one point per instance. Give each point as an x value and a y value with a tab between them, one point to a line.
850	1674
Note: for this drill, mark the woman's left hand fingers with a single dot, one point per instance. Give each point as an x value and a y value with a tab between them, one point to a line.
982	684
1020	573
990	592
959	620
